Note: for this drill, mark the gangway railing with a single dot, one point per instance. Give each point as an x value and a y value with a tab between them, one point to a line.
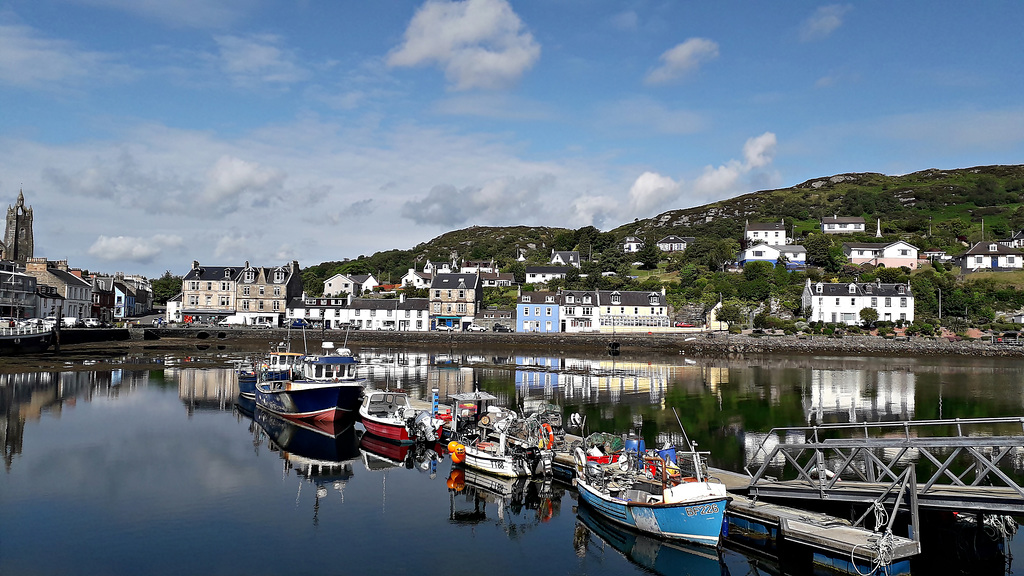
966	460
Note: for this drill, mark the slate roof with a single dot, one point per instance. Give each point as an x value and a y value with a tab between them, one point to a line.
629	298
759	226
466	281
567	256
538	297
986	249
546	269
860	289
842	220
214	273
676	240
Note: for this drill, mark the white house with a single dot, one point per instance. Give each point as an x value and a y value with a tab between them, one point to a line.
544	274
842	225
496	279
1015	240
579	311
991	256
632	244
354	284
771	233
633	311
365	313
841	303
675	243
892	255
477	267
416	279
795	255
565	258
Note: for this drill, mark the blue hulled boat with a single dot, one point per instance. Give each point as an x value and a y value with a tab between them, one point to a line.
247	378
688	509
323	386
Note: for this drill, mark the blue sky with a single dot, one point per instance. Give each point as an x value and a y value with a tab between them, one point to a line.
150	133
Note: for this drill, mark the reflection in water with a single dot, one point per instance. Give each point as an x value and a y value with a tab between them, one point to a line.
320	454
519	504
859	396
206	388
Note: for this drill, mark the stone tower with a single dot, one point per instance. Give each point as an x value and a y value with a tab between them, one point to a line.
18	242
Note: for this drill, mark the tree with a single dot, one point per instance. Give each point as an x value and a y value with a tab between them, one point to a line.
572	276
166	287
730	314
518	271
868	316
649	256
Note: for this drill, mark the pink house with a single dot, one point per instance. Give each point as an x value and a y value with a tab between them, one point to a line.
892	255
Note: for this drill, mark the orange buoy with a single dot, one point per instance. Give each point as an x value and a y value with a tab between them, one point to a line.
457	480
459	454
452	445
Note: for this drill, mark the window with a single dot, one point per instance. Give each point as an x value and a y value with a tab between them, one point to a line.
1009	259
587	311
193	300
979	259
193	285
570	311
260	305
245	290
225	300
903	302
853	301
357	312
903	315
616	298
437	293
373	313
547	326
526	298
250	275
904	252
262	290
569	299
526	310
888	302
586	299
874	302
209	301
462	293
536	311
277	290
461	308
277	305
548	311
449	293
437	307
225	286
209	285
245	304
758	253
279	276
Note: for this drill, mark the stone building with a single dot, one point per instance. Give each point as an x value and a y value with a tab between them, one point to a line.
18	244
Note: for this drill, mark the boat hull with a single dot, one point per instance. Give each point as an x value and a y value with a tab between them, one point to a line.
390	431
507	465
247	384
319	401
698	521
17	341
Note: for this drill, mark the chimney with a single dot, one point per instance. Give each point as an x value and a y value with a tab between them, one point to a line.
401	297
195	264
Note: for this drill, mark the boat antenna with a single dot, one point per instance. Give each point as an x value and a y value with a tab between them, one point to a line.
689	445
345	344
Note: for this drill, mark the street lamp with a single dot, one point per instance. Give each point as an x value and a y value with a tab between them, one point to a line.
940	302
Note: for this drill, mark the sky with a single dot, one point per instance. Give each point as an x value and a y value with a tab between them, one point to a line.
146	134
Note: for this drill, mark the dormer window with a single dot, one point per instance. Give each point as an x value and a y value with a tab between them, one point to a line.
818	288
992	248
616	298
901	289
250	275
279	276
569	299
549	299
586	299
227	273
654	299
526	298
853	288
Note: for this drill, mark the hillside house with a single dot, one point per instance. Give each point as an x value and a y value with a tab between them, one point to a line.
990	256
632	244
674	243
565	258
770	233
891	255
842	225
794	256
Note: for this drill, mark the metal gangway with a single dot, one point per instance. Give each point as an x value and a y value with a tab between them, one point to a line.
973	464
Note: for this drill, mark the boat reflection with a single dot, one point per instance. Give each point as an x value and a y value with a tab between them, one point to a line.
379	454
320	454
520	504
651	554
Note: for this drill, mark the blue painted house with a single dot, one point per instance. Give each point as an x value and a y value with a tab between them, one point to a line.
537	312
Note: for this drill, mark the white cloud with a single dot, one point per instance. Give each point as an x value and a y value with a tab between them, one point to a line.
138	250
259	59
28	60
478	43
230	178
651	192
726	179
495	202
824	21
683	59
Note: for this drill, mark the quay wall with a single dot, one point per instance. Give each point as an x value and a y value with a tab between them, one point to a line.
706	345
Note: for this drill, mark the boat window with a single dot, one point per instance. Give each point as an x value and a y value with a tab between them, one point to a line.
390	398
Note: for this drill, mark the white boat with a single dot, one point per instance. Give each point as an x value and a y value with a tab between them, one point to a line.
509	460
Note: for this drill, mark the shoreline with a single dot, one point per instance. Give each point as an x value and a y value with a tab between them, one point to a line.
707	344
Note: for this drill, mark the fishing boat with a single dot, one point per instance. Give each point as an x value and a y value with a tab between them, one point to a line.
324	386
247	378
691	509
654	555
25	339
281	363
388	414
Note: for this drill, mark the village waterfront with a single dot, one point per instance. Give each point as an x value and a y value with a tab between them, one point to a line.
140	460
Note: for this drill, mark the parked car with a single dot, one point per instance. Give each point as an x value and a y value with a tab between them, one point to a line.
683	325
476	328
501	328
300	323
92	323
445	328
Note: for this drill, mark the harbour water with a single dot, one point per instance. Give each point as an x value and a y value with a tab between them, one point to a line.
151	467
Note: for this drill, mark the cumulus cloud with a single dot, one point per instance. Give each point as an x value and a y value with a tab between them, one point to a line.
683	59
259	59
496	202
231	178
717	181
652	191
478	43
133	249
29	60
824	21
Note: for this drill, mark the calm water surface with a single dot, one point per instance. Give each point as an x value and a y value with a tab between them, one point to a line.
157	471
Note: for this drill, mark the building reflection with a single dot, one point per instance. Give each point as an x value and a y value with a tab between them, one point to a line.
202	389
859	396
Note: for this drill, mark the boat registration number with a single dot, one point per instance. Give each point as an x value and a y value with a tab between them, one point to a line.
701	510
